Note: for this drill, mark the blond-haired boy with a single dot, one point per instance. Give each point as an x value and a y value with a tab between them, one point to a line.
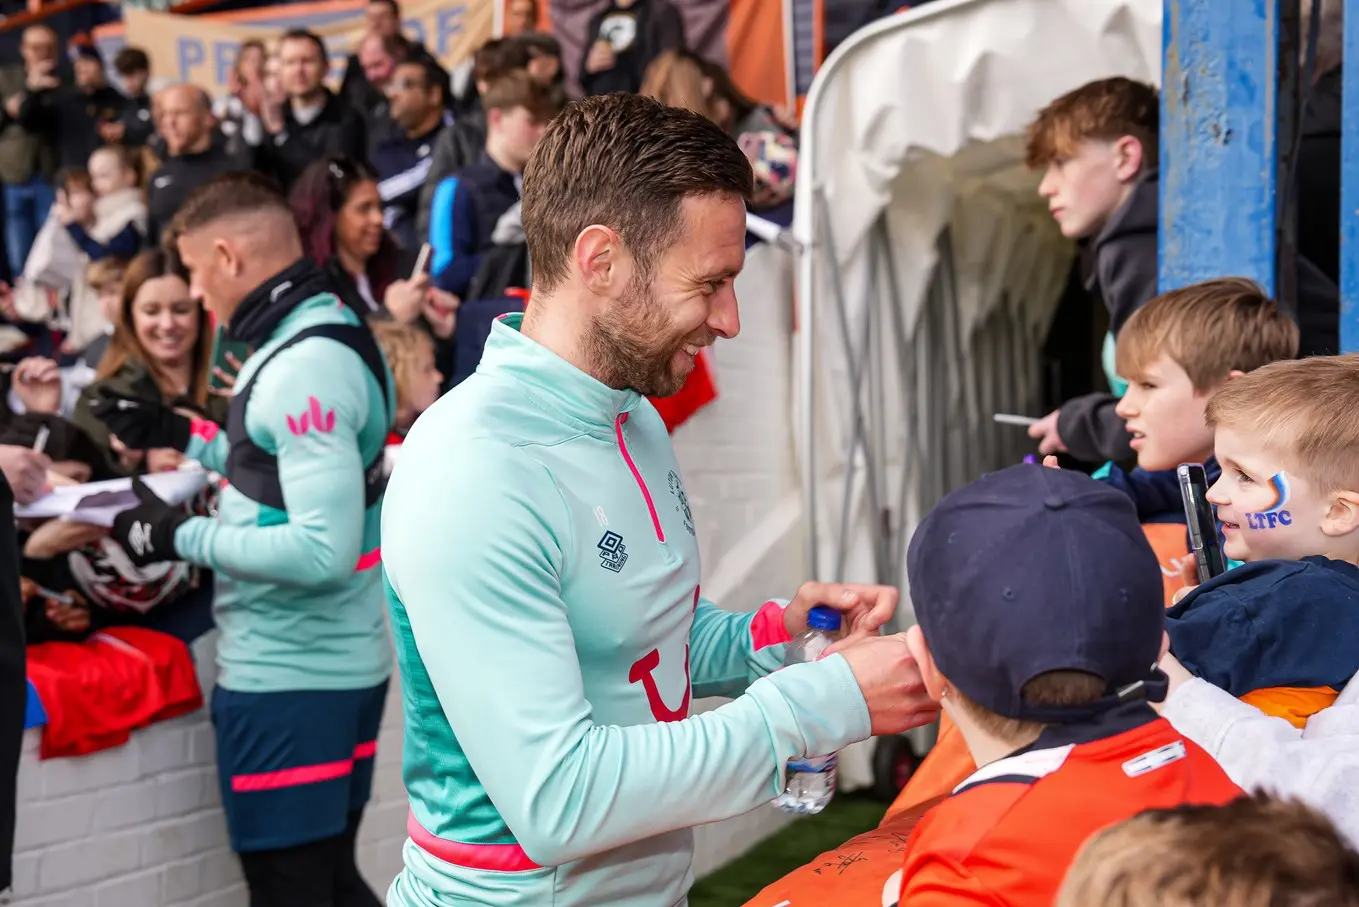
1177	352
1281	632
1253	852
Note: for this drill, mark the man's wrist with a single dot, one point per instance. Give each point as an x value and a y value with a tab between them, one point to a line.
163	534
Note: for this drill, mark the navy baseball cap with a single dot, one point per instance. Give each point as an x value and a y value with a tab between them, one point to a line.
1030	570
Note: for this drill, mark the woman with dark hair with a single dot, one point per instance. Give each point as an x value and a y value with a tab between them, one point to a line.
339	214
161	350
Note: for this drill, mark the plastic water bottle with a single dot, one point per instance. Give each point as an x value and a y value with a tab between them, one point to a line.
811	779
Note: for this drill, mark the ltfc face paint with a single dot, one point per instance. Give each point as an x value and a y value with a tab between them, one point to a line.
1275	515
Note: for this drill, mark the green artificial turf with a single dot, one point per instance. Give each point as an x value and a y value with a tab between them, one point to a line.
742	879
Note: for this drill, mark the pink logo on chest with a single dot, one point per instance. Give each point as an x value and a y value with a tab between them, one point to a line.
313	417
643	669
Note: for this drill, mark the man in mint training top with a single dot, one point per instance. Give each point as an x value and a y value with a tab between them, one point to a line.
304	654
542	569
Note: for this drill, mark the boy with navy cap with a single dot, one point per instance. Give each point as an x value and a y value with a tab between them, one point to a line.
1041	619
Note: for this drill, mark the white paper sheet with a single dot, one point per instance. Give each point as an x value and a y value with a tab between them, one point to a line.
98	503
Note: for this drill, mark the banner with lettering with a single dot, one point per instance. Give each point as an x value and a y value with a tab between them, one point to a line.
201	50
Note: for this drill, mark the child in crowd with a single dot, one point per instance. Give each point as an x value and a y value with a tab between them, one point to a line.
1252	852
105	277
410	355
109	219
98	214
1176	353
1041	619
1281	632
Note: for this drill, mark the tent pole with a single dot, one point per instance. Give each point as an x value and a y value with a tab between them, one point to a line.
857	373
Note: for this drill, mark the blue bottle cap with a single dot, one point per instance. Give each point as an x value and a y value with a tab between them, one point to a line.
823	617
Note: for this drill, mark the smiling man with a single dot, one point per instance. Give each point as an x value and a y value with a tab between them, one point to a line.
542	567
303	654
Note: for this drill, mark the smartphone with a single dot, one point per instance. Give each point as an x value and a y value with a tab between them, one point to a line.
225	350
1198	515
1012	419
422	261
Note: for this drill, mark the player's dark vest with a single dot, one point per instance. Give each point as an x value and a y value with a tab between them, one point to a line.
253	471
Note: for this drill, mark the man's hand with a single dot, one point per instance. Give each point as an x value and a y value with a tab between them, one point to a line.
405	299
26	472
1045	432
441	311
60	536
40	77
890	681
163	459
601	57
863	609
228	379
12	105
147	531
1178	674
141	424
37	384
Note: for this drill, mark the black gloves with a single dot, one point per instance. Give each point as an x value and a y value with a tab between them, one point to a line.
147	531
141	424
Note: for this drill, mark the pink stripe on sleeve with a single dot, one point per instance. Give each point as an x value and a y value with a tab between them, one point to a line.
767	628
204	429
495	857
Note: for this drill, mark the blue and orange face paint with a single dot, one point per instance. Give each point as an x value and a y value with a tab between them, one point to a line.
1276	514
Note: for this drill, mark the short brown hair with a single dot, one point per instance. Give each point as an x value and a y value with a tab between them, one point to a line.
517	89
626	162
1253	852
105	272
225	196
1103	110
131	60
1209	329
74	178
1302	411
1052	688
497	57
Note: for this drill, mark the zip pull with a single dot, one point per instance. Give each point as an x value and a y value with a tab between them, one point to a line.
637	476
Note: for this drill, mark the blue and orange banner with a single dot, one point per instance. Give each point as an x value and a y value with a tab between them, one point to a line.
201	50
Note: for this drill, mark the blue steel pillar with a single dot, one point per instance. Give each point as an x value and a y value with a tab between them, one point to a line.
1349	187
1221	145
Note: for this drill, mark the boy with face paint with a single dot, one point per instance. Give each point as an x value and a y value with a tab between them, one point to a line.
1281	632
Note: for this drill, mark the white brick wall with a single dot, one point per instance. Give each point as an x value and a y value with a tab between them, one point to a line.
142	826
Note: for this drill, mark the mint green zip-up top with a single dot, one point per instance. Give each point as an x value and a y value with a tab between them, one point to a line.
298	596
543	580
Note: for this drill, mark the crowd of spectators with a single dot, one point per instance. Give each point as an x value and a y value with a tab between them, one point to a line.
405	186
